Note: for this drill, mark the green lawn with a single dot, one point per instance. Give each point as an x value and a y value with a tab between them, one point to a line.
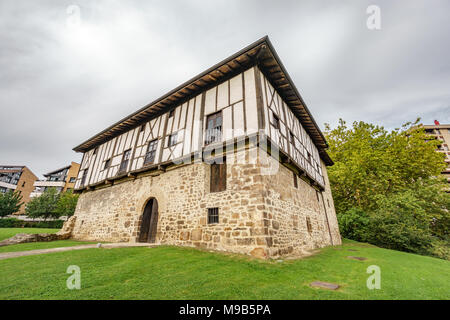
184	273
6	233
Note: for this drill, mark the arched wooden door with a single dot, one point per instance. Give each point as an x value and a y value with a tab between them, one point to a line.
149	222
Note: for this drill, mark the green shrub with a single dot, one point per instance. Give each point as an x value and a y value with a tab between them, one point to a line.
16	223
354	224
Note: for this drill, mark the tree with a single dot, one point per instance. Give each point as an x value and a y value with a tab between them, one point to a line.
370	161
387	189
43	206
10	203
66	204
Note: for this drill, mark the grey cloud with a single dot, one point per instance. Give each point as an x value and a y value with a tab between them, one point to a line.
59	86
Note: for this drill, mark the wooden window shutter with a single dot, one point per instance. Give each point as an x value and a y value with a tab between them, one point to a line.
218	177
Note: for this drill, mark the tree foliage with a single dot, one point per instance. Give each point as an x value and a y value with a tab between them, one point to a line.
386	186
10	203
51	204
66	204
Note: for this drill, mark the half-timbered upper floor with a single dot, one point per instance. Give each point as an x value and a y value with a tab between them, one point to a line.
250	93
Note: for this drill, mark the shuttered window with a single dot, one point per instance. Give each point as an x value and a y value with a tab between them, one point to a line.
218	177
213	128
151	152
172	140
295	180
107	164
308	224
213	215
83	179
125	160
275	121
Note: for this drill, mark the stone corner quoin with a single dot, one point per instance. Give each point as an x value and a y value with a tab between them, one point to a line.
229	161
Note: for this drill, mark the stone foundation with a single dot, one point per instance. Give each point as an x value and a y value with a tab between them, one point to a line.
259	214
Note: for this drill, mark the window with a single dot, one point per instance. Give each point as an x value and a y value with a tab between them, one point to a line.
72	179
151	152
218	181
308	224
295	180
291	135
107	164
171	113
125	160
172	140
275	121
83	179
213	128
317	195
213	215
23	184
308	156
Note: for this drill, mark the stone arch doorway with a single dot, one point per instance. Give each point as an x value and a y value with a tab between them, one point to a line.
149	222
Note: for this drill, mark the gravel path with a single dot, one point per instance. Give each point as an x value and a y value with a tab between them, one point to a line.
8	255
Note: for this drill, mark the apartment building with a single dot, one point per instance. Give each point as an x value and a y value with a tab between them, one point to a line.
62	180
17	178
442	133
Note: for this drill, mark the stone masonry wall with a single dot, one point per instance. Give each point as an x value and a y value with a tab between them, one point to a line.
113	213
259	214
287	209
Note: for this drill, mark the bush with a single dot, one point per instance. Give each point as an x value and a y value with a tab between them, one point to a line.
52	204
354	224
16	223
10	203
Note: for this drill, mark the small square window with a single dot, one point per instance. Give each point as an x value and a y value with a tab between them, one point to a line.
213	215
172	140
72	179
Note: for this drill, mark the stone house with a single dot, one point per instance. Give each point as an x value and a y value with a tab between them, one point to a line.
230	160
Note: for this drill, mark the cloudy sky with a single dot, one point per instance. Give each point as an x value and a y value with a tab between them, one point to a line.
62	81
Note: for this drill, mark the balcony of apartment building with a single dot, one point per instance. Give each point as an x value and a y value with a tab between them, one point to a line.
8	180
40	186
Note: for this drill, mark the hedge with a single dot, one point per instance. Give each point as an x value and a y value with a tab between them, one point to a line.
16	223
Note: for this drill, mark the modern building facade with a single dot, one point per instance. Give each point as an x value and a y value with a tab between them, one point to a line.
62	180
441	132
230	160
17	178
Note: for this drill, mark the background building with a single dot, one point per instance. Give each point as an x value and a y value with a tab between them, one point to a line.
17	178
62	179
442	133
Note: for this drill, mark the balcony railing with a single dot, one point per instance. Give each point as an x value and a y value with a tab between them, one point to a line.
213	135
46	183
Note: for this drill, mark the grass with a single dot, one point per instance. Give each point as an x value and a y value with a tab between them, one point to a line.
185	273
6	233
